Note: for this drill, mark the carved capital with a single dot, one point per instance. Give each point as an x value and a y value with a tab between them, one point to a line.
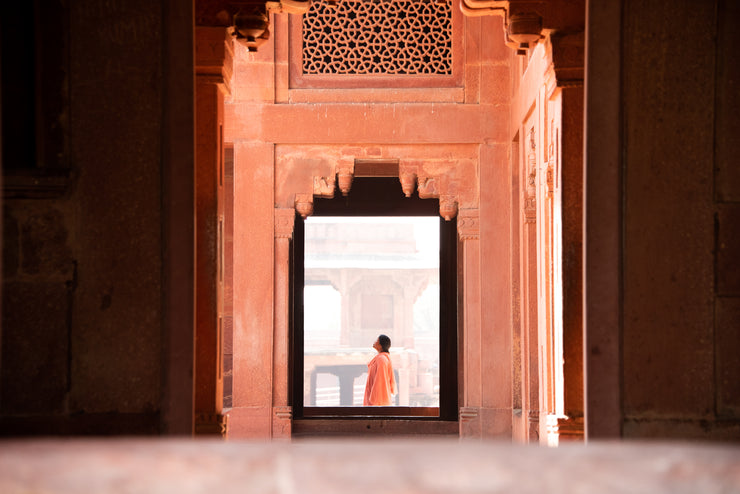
468	224
284	222
211	424
566	51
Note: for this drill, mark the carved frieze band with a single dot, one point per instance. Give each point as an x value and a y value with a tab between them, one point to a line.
468	224
284	222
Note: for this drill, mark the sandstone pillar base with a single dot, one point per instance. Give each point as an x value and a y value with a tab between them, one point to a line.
485	423
214	424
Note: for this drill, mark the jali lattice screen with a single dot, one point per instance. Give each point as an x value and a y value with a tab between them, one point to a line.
378	37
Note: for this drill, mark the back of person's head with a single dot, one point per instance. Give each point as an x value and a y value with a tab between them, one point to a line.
385	342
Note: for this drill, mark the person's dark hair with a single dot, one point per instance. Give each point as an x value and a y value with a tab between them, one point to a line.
385	342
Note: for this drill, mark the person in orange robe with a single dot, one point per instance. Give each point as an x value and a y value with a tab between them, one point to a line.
381	383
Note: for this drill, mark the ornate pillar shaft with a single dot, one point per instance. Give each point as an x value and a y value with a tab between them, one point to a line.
468	228
281	417
529	309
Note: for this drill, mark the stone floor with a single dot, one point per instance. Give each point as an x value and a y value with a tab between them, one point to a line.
390	466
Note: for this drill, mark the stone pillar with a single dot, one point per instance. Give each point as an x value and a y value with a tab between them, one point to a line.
603	222
281	412
529	309
564	156
571	259
213	73
468	228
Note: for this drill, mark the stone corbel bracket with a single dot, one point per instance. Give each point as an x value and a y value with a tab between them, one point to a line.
412	175
251	20
304	205
522	30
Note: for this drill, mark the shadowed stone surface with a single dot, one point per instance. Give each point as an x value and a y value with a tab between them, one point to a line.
326	467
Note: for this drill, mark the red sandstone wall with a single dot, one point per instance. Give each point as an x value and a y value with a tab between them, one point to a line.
681	219
282	135
86	269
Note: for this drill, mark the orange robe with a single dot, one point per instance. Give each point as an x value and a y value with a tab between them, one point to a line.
381	383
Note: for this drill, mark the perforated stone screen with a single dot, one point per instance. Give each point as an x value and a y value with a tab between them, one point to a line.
378	37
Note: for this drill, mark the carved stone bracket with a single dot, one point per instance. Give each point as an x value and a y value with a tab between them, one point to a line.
447	206
428	187
408	182
522	28
304	205
324	186
345	175
251	19
284	222
468	224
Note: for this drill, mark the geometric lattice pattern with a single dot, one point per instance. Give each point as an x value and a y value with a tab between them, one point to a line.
378	37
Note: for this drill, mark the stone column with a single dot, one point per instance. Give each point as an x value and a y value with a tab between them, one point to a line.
529	309
468	228
281	412
571	259
213	73
565	159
